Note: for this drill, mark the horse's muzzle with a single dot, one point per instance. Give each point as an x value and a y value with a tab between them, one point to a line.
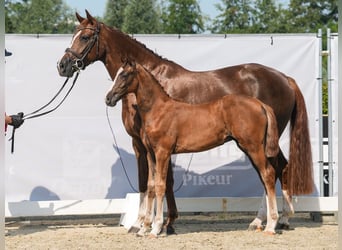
65	67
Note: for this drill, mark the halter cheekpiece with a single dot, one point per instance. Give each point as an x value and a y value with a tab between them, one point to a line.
79	62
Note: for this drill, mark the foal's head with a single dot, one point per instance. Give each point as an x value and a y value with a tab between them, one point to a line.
124	82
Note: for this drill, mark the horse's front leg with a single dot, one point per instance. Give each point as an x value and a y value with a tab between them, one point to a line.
172	213
140	153
162	165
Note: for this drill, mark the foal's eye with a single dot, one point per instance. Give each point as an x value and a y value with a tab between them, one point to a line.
124	75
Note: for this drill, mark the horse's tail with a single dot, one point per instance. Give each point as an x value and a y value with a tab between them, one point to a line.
299	171
272	135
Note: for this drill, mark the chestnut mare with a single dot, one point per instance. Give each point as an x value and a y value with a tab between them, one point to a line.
172	127
94	41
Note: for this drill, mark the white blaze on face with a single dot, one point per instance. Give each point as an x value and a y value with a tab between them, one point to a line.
116	77
74	38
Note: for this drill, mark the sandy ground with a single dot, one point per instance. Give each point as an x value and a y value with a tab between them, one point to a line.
203	231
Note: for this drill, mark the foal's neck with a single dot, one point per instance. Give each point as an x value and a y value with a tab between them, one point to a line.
150	94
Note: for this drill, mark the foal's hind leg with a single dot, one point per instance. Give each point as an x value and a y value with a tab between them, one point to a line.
287	211
268	177
256	224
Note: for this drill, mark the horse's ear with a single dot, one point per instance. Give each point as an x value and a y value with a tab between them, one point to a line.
91	19
79	18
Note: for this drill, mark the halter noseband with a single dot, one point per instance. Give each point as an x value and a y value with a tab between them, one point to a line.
79	62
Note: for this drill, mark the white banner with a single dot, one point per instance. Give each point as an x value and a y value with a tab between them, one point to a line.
69	154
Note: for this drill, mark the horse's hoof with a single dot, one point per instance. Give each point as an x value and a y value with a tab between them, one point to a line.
170	230
133	229
283	226
256	228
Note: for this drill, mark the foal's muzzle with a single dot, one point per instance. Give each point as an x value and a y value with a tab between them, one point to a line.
111	100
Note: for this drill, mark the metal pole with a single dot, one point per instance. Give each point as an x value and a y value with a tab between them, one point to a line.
330	115
320	117
340	127
2	114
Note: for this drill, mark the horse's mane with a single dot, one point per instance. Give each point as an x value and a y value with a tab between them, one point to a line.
140	44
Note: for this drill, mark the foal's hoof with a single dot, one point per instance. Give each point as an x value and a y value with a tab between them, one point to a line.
152	236
141	232
270	233
133	230
283	226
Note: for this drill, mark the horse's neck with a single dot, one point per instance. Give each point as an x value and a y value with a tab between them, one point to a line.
120	47
150	94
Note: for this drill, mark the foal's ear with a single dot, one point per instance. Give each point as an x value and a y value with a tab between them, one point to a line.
131	63
127	61
79	18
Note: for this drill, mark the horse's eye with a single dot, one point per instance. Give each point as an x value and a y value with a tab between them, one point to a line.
84	38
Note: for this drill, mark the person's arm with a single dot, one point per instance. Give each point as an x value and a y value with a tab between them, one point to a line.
8	119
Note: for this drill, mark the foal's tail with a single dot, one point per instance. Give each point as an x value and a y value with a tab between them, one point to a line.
272	135
299	172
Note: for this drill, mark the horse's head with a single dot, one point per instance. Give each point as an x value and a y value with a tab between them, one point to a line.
124	83
85	47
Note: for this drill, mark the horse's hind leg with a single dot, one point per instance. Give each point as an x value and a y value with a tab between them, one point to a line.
283	222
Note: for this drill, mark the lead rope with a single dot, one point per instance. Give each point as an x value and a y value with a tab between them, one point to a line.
34	113
123	166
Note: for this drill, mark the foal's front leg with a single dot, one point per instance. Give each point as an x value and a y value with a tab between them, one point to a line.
162	164
140	153
149	199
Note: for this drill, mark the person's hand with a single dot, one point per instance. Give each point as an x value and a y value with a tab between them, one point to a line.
17	120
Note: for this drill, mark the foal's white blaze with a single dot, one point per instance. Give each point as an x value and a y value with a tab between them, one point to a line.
74	38
116	77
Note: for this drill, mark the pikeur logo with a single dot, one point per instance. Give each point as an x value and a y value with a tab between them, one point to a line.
205	180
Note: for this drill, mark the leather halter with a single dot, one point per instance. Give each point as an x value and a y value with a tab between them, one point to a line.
79	61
